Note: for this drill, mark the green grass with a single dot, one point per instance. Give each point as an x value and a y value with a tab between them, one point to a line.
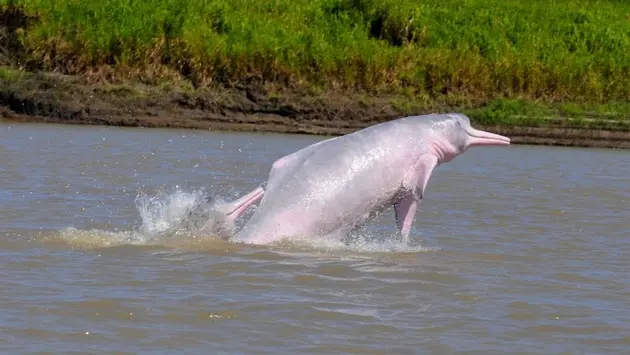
11	75
557	51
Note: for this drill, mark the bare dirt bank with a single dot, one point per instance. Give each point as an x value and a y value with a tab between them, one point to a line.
59	99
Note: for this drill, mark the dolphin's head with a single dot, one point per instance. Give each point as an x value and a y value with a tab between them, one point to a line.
454	135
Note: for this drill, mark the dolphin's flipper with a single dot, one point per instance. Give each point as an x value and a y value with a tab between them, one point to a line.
405	211
415	183
237	208
220	220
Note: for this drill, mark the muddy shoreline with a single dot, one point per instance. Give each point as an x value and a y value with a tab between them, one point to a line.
252	108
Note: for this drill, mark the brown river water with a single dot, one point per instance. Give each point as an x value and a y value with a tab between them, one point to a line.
516	249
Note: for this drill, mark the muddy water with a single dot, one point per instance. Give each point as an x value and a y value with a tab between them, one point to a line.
516	248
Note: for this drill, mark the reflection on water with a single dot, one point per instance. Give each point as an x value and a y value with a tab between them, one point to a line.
514	248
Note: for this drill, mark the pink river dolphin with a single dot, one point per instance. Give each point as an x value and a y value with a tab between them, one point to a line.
330	188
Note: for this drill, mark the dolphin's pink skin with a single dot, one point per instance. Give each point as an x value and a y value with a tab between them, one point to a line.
328	189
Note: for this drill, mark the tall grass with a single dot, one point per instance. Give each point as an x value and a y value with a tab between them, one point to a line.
547	49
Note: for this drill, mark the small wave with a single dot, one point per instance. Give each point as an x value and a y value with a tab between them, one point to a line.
97	238
362	243
189	239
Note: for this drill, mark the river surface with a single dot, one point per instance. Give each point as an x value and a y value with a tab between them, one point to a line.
516	248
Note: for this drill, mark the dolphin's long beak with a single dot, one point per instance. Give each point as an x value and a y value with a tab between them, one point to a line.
478	138
238	207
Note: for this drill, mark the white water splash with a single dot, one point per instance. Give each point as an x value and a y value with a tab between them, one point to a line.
168	217
171	212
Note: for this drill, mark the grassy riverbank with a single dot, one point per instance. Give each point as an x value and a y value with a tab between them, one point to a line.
556	64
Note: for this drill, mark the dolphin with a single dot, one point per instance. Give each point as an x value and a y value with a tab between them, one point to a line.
330	188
